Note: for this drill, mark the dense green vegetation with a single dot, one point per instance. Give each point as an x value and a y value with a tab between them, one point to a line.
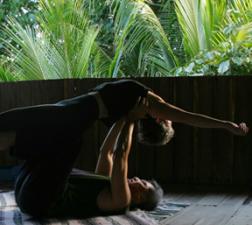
119	38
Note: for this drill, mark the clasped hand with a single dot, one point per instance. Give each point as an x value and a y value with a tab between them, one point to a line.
139	110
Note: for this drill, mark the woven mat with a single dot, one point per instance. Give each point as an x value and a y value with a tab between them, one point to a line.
11	215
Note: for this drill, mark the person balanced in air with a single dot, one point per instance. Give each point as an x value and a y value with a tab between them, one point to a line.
48	138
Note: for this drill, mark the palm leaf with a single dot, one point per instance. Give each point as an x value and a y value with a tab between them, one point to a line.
6	74
191	24
213	14
236	26
199	20
36	54
137	27
244	35
99	62
67	22
64	46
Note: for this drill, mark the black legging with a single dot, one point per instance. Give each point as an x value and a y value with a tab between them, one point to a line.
41	181
49	139
49	116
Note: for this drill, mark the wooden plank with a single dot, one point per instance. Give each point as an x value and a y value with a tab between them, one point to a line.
212	199
208	215
30	93
223	151
191	198
173	196
243	112
183	140
44	92
203	145
7	96
242	217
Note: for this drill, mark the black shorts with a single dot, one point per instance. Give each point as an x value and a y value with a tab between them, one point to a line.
120	97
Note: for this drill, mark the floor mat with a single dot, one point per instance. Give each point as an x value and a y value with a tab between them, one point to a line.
11	215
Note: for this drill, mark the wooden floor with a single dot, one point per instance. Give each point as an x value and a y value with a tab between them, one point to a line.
212	208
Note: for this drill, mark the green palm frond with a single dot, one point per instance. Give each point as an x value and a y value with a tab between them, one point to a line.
213	14
99	62
199	20
156	65
6	74
123	21
241	11
33	52
137	26
244	35
68	24
191	24
170	24
63	46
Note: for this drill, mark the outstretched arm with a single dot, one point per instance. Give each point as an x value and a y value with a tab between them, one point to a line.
158	108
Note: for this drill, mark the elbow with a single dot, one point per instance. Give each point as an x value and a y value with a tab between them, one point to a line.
123	203
122	200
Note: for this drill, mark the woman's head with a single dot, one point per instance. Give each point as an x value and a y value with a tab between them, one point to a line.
144	194
154	131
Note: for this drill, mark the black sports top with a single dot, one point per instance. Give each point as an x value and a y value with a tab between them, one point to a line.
80	197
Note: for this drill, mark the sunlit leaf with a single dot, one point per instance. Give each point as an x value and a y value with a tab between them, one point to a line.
224	67
190	67
237	60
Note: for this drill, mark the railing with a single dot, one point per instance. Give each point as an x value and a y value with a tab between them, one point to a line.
200	156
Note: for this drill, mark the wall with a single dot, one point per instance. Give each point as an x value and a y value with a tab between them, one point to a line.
199	156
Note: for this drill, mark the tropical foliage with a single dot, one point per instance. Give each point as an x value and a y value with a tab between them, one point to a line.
115	38
199	21
23	10
230	51
6	73
140	40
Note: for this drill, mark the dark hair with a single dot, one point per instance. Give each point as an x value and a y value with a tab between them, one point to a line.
152	197
151	132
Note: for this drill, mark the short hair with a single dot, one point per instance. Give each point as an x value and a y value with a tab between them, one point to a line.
152	197
151	132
